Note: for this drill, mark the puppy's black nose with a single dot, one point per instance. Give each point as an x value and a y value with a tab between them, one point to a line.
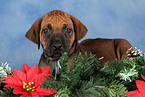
57	47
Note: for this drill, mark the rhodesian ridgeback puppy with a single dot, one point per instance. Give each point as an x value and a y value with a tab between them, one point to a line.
59	32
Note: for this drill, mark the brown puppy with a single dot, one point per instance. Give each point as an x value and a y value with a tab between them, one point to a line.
59	32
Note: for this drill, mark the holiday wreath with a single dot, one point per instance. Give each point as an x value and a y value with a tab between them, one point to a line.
84	78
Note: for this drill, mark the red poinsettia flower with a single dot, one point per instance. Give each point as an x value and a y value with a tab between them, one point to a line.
141	89
26	82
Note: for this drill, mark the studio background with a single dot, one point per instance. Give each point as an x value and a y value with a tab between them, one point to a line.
103	18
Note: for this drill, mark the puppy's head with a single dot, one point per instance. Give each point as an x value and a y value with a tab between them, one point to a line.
57	31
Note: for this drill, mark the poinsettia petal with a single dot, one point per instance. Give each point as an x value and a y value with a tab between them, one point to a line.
26	95
19	74
38	79
31	94
143	76
134	93
45	70
12	85
12	80
34	94
19	90
141	86
45	92
25	68
32	72
6	77
3	78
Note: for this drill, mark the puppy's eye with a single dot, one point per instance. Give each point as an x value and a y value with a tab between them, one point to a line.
68	30
45	31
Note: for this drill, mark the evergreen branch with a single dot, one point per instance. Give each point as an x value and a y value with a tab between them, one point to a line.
85	77
8	92
116	89
91	88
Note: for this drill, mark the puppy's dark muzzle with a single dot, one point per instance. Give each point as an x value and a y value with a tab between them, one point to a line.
57	46
57	50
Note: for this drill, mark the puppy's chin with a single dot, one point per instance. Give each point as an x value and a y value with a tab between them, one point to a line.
53	57
57	55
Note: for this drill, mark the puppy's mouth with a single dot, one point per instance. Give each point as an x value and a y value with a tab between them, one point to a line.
55	56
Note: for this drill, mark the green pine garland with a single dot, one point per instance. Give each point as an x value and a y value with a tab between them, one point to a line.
87	78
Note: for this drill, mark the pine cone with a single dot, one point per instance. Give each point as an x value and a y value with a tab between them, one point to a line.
133	53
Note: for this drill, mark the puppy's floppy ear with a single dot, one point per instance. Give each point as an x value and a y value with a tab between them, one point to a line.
33	34
80	29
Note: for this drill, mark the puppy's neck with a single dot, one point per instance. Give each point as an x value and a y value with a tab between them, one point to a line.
44	61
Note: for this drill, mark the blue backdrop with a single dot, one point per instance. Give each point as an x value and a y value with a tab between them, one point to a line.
103	18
